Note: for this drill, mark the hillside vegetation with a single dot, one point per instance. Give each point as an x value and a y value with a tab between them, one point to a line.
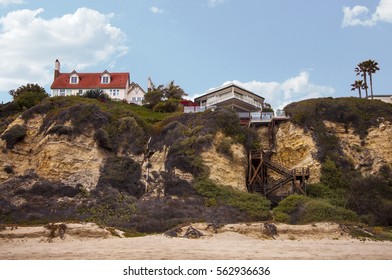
127	136
341	184
119	199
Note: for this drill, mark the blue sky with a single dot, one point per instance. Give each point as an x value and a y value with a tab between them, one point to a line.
284	50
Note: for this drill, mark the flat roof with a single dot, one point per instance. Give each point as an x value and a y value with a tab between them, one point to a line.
228	86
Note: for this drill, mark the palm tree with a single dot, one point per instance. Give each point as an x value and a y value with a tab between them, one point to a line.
361	69
372	67
173	91
358	85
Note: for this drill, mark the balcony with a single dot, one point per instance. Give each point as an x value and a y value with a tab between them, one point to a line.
213	100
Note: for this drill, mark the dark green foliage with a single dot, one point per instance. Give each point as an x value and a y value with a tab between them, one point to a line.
371	197
224	147
61	130
256	206
103	139
170	105
13	135
297	209
29	88
178	187
30	99
121	173
96	94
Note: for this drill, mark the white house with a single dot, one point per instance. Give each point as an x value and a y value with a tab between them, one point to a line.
116	85
232	95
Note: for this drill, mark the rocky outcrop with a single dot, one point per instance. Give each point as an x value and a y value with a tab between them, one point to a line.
228	170
296	149
70	160
368	154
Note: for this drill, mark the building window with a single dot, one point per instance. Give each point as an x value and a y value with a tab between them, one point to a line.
105	79
62	92
114	92
133	99
74	80
80	92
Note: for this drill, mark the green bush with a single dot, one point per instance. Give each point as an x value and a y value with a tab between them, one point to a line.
103	139
256	206
30	99
60	129
224	147
13	135
298	209
167	106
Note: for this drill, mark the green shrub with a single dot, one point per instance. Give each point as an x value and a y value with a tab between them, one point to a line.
123	174
13	135
30	99
103	139
256	206
167	106
60	129
224	147
96	94
298	209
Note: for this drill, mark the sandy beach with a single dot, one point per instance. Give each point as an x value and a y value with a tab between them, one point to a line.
237	241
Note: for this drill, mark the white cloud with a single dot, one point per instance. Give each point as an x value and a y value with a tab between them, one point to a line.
293	89
384	11
213	3
29	44
156	10
360	15
7	2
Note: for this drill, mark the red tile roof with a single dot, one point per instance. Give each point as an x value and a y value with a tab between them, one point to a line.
91	81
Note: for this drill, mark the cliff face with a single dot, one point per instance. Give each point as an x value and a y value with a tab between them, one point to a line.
70	160
367	154
296	149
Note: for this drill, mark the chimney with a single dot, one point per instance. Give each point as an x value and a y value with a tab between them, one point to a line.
56	69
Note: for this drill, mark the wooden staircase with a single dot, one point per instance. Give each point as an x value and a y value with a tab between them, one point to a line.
260	181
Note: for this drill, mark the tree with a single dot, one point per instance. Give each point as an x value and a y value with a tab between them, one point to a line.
173	91
362	70
27	88
154	95
358	85
367	68
372	67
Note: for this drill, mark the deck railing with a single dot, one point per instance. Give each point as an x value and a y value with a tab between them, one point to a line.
215	99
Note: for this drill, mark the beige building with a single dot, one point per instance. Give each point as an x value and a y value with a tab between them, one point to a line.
231	95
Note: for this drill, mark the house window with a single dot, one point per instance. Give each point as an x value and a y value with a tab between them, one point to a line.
74	80
114	92
139	99
105	79
133	99
80	92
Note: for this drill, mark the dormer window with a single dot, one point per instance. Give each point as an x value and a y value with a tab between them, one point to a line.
105	77
74	77
74	80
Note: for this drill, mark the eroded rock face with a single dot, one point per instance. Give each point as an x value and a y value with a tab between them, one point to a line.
296	149
368	154
224	169
70	160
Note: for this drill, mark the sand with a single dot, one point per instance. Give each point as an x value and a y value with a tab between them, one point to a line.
238	241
